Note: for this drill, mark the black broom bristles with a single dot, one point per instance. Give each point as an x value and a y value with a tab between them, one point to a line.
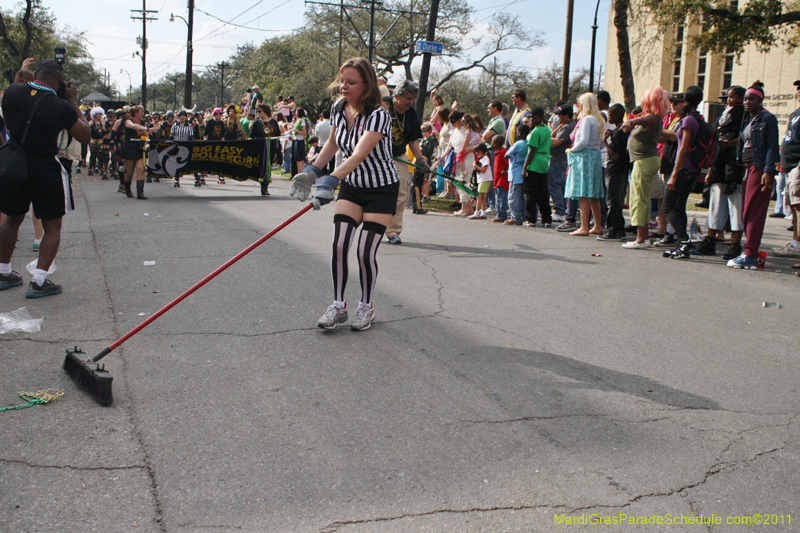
89	375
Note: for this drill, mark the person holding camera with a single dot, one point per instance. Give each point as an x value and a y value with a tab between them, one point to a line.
50	105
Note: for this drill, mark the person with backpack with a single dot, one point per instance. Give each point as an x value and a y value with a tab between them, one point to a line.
758	151
724	180
684	174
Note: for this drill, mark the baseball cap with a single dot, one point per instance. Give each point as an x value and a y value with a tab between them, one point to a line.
182	112
677	97
563	110
217	111
255	87
797	83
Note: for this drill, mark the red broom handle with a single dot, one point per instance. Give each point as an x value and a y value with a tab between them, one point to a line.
200	283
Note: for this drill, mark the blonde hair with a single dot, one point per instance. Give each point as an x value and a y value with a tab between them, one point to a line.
372	95
589	107
135	109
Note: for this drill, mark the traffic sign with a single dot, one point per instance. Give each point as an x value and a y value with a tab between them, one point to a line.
429	47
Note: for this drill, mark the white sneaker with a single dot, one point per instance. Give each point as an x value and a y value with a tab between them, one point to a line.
633	245
489	211
365	314
334	315
559	218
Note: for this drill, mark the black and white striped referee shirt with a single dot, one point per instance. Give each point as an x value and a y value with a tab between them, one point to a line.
182	133
378	168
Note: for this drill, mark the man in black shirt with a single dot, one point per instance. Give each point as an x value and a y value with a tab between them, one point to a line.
406	131
47	186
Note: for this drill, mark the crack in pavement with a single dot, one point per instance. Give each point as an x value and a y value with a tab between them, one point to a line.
59	342
555	417
334	526
73	467
438	283
714	469
132	418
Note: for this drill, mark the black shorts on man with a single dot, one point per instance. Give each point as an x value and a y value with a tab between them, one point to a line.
47	188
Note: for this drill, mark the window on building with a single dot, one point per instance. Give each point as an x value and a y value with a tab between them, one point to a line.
728	57
727	69
702	63
676	71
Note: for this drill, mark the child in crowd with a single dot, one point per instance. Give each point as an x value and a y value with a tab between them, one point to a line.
483	168
500	178
473	137
516	155
313	149
617	169
420	181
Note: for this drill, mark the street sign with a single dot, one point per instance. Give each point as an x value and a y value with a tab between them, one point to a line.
429	47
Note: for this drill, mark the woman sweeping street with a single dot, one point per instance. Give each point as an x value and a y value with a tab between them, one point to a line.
369	186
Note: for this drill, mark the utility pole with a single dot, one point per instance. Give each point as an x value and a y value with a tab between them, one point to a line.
144	18
567	51
222	83
341	29
371	29
187	89
494	79
422	97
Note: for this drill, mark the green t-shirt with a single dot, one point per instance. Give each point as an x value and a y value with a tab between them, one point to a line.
497	125
245	127
540	139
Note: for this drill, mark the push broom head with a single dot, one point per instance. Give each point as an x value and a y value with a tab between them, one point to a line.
89	375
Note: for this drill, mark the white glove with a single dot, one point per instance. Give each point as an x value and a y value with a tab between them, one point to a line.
301	183
323	191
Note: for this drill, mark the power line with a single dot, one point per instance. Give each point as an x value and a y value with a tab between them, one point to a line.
234	18
232	24
176	43
502	8
209	35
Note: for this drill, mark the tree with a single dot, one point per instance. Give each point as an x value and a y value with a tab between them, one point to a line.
395	33
505	32
543	89
33	32
764	23
621	8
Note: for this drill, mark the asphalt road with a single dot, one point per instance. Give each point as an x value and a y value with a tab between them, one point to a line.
510	377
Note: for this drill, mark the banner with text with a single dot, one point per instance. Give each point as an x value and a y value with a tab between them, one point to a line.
239	160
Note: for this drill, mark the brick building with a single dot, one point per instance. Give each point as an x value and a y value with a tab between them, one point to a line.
666	60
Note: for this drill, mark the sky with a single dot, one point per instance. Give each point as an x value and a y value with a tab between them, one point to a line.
112	33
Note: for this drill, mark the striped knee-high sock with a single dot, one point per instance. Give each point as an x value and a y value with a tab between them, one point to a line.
344	230
368	242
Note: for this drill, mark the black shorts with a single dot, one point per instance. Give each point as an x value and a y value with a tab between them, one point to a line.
47	188
299	150
131	151
374	200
